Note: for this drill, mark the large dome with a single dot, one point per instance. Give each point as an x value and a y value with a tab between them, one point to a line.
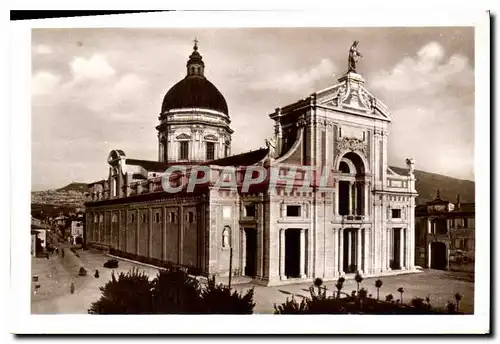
194	91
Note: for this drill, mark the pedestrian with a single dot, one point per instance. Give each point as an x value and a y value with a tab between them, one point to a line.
62	253
72	287
47	255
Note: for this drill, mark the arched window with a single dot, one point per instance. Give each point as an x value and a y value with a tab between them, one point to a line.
343	167
226	236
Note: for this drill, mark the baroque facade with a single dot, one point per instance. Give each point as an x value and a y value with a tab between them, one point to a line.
358	215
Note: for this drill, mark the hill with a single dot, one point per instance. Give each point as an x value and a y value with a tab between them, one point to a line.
75	186
428	183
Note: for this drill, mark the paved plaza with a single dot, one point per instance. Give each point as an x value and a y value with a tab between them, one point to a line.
55	275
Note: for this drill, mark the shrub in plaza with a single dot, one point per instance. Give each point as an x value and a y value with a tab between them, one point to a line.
175	292
111	264
129	293
220	299
357	303
172	291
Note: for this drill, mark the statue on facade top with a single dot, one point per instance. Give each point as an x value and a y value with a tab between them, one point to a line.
271	145
354	56
411	165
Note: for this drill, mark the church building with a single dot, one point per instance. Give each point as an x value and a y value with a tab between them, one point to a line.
360	218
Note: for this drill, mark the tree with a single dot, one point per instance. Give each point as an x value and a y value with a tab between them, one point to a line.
401	291
358	278
458	297
130	293
378	285
339	285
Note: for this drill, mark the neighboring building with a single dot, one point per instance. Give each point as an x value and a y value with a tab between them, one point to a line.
362	218
445	233
77	228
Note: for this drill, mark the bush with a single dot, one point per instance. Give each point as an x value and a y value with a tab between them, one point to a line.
357	303
218	299
111	264
82	271
172	291
130	293
175	292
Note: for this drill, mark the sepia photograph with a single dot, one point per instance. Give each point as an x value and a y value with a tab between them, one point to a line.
266	169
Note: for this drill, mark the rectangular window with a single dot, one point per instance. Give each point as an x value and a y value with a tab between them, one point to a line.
250	210
143	216
172	217
210	151
396	213
183	150
293	210
226	151
132	218
190	217
157	217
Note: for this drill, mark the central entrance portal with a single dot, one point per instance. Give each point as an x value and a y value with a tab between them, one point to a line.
292	253
250	252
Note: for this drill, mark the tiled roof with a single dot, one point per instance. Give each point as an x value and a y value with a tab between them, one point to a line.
149	165
243	159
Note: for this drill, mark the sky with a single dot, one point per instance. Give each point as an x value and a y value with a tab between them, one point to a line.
94	90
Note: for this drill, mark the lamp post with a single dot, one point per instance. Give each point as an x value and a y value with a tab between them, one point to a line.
230	264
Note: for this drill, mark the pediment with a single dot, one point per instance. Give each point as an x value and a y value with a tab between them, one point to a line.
183	137
353	96
210	137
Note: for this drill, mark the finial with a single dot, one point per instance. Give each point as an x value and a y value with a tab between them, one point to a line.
437	195
195	44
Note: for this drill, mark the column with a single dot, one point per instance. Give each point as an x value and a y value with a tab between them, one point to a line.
349	248
341	251
349	212
336	205
366	250
388	249
355	198
302	253
429	226
282	254
358	251
243	254
407	248
335	246
150	234
137	223
164	235
447	257
402	248
365	199
428	256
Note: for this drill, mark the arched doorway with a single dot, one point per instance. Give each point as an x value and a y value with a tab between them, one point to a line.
438	256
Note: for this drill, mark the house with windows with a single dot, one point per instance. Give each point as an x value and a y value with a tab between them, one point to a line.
356	215
444	233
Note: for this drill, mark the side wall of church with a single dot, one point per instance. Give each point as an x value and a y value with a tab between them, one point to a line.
170	231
